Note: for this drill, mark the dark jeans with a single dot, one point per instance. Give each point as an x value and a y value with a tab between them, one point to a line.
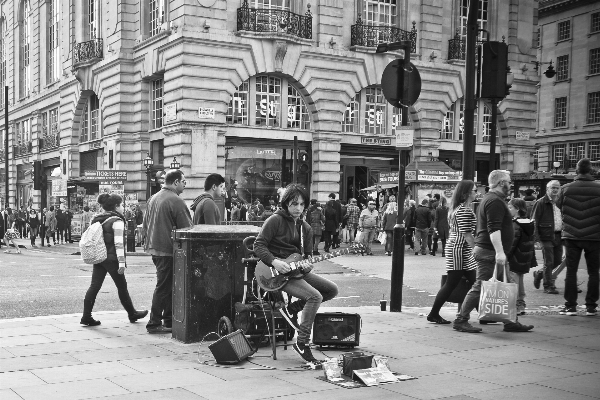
99	273
409	237
313	289
592	259
389	241
43	234
33	233
327	238
162	300
552	251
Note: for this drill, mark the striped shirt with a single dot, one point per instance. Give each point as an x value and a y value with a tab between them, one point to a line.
119	232
459	255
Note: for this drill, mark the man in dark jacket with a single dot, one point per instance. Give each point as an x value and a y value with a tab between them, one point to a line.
548	226
205	209
422	226
579	202
337	206
410	221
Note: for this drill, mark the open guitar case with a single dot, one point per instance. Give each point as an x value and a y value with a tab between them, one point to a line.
257	312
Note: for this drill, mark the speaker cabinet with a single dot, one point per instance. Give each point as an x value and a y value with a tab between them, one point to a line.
336	329
232	348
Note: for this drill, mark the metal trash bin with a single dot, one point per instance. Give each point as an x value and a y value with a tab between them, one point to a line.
208	277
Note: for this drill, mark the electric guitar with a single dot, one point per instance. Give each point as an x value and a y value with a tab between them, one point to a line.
270	280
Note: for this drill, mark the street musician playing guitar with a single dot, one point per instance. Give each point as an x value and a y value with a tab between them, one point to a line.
283	234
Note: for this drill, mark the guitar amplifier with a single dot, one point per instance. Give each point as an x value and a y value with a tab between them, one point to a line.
232	348
336	329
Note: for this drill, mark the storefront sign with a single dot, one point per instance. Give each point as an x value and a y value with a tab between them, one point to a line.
376	141
522	135
101	175
130	198
273	175
405	137
392	177
206	113
170	112
59	188
112	189
434	175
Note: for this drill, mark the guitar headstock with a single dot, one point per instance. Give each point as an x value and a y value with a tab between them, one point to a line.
357	248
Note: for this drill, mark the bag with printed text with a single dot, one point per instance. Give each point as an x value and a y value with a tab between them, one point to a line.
498	300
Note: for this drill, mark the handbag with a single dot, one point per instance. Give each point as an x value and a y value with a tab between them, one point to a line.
355	360
460	292
498	300
358	236
382	237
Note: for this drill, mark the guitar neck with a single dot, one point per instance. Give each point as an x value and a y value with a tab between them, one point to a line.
313	259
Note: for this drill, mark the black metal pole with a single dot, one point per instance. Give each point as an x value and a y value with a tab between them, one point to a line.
493	129
5	146
469	113
397	280
295	161
147	184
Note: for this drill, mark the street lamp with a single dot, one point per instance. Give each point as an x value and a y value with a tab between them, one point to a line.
175	164
550	72
148	162
556	164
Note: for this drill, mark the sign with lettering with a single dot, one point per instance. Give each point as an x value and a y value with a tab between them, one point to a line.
522	135
404	137
59	187
112	189
101	175
392	177
434	175
273	175
206	113
376	141
170	112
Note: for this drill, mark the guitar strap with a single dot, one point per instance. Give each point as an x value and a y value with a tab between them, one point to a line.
301	240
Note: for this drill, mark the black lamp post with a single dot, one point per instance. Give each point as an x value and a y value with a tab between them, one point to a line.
556	164
175	164
148	162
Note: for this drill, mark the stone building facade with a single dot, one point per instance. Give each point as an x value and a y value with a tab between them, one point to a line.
226	86
569	103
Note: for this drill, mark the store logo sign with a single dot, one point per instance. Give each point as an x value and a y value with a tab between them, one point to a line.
273	175
376	141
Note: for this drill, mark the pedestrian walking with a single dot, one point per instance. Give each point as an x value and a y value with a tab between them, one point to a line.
235	211
21	222
368	224
422	224
388	222
316	219
33	222
165	210
353	213
441	226
344	225
42	230
459	248
206	211
579	202
410	221
521	256
9	238
330	225
61	225
86	218
113	230
51	226
493	238
548	224
337	206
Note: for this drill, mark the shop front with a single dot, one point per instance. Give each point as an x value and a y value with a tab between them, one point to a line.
256	170
482	163
24	185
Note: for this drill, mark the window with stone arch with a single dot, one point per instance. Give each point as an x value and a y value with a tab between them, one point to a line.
482	17
453	125
3	43
25	48
259	101
350	123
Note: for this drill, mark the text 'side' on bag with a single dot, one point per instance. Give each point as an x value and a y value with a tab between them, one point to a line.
498	300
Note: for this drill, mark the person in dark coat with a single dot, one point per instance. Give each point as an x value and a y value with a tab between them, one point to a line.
316	219
337	206
440	226
61	225
410	220
331	224
521	256
422	226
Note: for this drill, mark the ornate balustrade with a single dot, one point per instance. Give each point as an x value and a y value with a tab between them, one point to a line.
371	36
88	51
273	20
49	141
457	47
22	149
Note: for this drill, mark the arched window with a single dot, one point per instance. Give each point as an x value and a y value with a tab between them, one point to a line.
453	128
53	65
2	58
25	42
352	115
259	101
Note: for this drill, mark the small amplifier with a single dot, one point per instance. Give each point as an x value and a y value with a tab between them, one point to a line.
232	348
336	329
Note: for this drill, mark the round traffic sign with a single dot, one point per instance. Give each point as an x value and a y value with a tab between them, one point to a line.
393	92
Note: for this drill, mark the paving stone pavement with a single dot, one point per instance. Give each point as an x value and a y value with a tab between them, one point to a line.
54	357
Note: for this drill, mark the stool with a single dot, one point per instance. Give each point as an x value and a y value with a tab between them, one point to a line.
272	298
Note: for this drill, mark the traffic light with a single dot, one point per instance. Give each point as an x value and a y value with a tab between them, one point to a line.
303	161
494	70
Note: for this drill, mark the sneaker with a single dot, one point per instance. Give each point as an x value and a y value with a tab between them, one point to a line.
591	311
568	311
517	327
293	322
537	278
465	326
303	350
551	291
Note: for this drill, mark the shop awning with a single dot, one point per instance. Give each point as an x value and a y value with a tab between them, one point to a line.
382	186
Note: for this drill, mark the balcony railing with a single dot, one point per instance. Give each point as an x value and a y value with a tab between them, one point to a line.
457	47
22	149
276	21
88	51
371	36
49	141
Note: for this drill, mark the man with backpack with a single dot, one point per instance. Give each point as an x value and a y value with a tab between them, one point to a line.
204	207
165	210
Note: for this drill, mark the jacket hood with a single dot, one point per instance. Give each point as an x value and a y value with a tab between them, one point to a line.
526	224
106	215
285	215
584	177
199	199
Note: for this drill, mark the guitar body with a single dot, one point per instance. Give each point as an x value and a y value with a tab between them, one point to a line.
269	279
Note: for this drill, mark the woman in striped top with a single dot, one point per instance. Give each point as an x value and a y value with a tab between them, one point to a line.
459	248
113	229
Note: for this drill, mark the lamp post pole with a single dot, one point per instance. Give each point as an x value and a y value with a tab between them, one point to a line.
148	162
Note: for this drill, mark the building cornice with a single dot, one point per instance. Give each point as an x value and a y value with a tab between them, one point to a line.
549	7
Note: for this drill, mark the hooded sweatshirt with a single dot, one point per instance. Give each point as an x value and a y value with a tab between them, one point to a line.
205	210
280	237
521	256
